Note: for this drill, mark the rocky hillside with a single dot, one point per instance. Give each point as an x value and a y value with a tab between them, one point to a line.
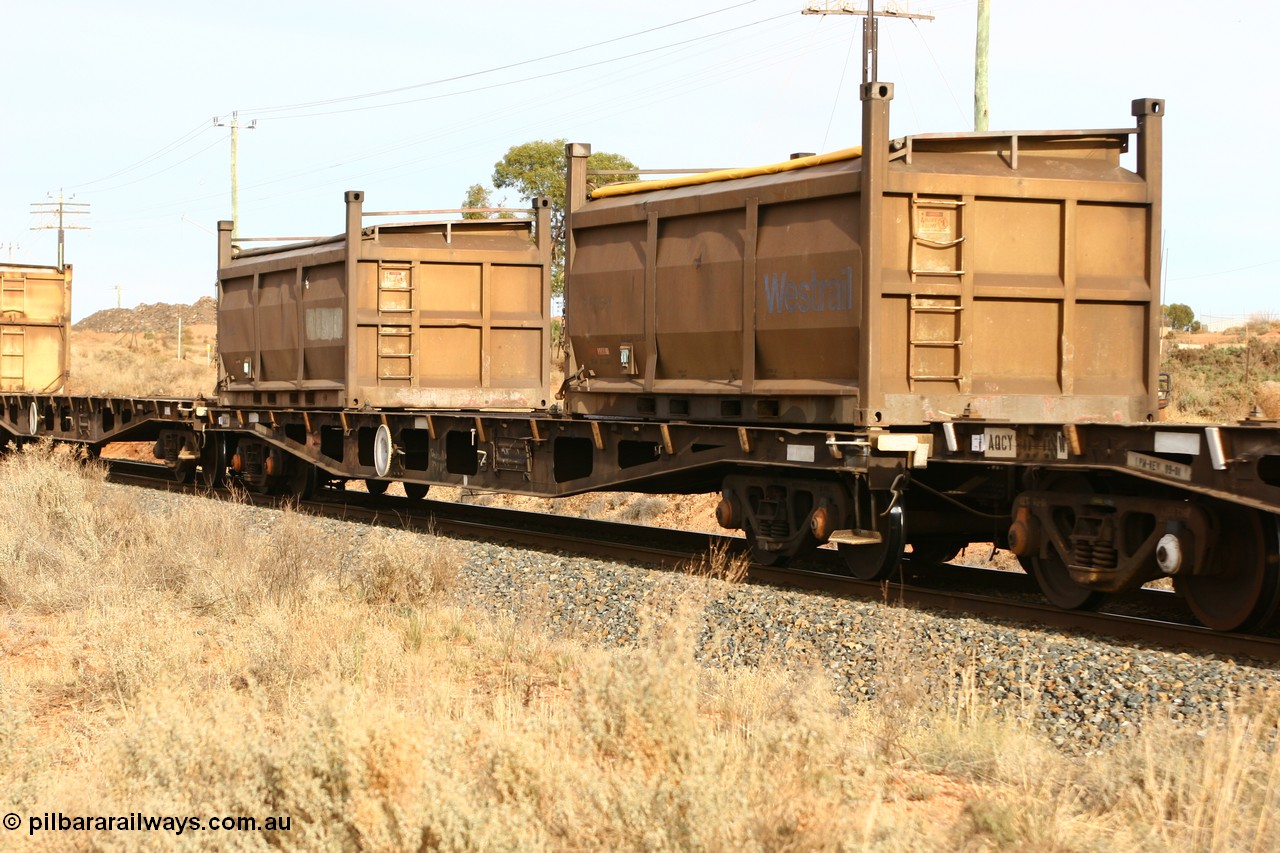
158	317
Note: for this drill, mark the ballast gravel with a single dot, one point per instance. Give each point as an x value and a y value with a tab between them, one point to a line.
1081	692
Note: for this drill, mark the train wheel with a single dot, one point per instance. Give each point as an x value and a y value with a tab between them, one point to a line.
416	491
1246	591
213	461
376	487
1051	573
1055	583
184	471
301	480
879	561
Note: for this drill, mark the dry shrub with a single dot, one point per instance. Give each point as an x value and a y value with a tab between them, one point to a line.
1211	787
396	568
641	509
61	526
623	507
1219	383
718	564
344	768
1269	400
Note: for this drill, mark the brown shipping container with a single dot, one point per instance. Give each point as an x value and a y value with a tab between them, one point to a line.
1014	277
442	314
35	312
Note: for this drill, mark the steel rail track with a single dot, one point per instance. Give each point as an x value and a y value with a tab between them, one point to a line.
676	548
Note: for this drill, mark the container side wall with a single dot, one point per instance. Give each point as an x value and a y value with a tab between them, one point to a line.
35	309
604	307
237	330
278	324
809	297
699	295
323	323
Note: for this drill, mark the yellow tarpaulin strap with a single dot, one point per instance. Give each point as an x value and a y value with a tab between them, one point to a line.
726	174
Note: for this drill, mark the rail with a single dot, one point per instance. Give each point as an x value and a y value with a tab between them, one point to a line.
675	549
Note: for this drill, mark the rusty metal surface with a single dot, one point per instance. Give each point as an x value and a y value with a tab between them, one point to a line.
35	313
446	313
1008	276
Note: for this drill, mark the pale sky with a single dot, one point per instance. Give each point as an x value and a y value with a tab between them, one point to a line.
113	102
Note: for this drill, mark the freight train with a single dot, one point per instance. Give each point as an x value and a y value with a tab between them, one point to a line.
921	342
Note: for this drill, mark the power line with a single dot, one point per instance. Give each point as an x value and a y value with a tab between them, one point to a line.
500	118
266	111
1223	272
548	74
161	171
509	66
177	143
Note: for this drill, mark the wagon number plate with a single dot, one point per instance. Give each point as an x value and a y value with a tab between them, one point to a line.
1159	467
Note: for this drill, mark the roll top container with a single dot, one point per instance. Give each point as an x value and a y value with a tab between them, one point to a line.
996	275
434	313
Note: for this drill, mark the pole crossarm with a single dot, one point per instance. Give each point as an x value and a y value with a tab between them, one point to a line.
843	7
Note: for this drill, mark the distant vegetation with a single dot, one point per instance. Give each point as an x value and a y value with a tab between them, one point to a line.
1220	381
142	364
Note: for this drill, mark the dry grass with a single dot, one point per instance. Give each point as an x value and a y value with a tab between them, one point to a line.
718	564
142	364
178	658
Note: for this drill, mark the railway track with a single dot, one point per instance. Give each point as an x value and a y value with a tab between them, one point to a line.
1006	596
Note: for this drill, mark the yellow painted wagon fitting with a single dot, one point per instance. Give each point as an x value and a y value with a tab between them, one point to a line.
727	174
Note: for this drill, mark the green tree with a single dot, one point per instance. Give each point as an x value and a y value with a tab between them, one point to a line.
1180	317
537	169
477	196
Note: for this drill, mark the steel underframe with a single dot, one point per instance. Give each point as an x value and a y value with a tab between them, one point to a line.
541	454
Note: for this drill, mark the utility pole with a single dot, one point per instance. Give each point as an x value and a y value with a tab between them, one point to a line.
980	114
60	209
234	123
870	29
11	247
